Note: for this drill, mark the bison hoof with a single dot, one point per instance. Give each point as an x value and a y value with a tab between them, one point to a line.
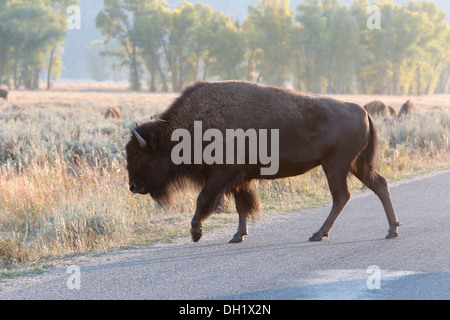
196	235
392	235
236	239
317	237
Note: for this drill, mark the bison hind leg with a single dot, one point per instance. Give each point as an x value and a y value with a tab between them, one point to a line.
380	187
247	204
336	172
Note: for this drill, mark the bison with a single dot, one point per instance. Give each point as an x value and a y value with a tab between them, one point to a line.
4	94
312	131
408	108
392	112
113	113
380	109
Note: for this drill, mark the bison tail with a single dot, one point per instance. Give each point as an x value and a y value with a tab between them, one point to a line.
371	151
365	162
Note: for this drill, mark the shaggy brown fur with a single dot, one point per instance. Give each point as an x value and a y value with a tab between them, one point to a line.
313	131
4	94
408	108
379	109
113	113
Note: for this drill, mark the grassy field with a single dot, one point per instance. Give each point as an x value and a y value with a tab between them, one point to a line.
64	186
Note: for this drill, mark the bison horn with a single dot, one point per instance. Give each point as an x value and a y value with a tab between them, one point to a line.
141	140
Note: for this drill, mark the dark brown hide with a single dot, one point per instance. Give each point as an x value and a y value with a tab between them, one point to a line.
313	131
4	94
408	108
113	113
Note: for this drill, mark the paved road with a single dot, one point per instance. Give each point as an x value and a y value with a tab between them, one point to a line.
277	262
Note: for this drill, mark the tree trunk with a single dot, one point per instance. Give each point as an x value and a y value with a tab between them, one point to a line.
134	76
443	81
16	64
155	59
250	68
330	88
35	85
50	65
152	83
297	71
419	88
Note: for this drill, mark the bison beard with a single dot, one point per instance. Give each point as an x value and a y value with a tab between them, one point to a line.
313	130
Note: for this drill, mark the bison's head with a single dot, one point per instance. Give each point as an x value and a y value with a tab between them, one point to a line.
148	161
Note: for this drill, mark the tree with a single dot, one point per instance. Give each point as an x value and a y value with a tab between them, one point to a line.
311	38
152	27
32	30
444	77
60	7
343	49
182	46
30	34
218	49
268	30
362	55
196	42
432	54
116	22
227	49
326	48
329	36
190	43
407	52
5	47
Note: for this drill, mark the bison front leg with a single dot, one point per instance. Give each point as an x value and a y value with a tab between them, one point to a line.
247	204
207	201
206	204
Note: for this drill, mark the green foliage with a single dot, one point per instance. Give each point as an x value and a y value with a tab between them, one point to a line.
322	47
30	35
116	22
191	43
270	30
409	52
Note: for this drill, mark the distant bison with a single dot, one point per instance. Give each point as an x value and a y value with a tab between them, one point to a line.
113	113
4	94
380	109
408	108
392	112
311	131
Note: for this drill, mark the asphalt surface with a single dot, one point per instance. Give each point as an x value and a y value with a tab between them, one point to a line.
276	261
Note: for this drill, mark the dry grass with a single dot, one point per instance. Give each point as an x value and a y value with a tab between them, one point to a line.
63	182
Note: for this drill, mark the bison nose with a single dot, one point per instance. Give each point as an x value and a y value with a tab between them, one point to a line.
133	188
